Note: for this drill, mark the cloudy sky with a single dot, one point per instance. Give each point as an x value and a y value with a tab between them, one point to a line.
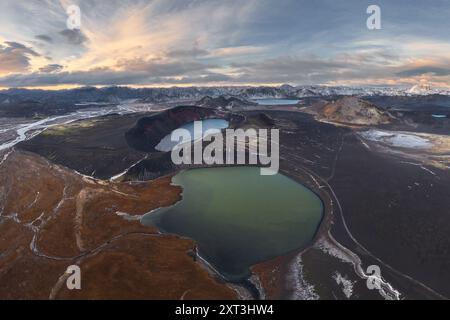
223	42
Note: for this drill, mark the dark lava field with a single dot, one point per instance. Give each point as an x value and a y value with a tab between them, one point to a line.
381	207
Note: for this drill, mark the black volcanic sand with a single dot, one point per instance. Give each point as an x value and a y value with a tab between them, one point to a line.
106	146
397	211
404	224
333	279
94	147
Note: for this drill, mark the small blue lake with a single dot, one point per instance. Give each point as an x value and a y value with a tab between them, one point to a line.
275	102
441	116
211	125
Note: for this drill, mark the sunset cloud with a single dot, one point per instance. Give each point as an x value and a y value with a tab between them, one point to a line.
15	57
137	42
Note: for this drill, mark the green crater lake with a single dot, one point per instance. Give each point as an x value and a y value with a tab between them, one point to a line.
239	218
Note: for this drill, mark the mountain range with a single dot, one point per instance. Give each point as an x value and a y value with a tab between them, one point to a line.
18	102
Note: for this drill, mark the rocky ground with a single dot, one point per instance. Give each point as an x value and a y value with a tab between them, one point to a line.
351	111
381	208
372	196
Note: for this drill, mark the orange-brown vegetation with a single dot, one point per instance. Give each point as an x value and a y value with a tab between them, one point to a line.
52	217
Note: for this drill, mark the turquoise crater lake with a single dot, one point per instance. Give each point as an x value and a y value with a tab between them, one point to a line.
208	126
239	218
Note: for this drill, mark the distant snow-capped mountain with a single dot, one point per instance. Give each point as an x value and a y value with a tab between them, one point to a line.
287	91
150	95
422	89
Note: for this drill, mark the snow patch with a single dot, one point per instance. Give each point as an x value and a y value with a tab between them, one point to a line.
331	250
302	290
128	216
347	285
397	139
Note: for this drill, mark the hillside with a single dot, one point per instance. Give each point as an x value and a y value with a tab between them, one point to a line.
351	110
